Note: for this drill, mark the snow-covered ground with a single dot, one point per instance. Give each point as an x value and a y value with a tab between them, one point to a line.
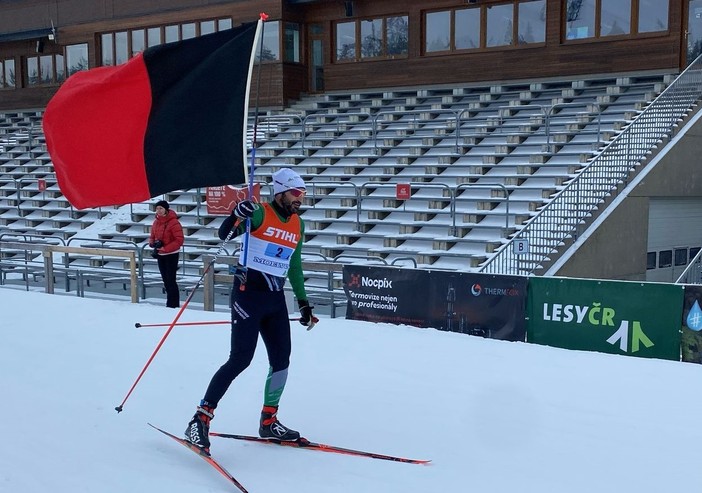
493	416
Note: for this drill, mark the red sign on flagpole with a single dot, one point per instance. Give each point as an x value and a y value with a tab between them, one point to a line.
221	200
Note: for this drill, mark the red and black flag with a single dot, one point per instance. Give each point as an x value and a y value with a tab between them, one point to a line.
173	117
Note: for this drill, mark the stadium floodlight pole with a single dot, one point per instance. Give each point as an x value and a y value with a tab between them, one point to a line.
259	36
175	320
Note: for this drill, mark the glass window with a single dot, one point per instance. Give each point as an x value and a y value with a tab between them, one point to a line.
10	73
532	22
694	251
615	17
467	28
438	29
188	30
2	76
153	36
371	38
580	19
291	42
60	68
271	42
207	27
396	35
680	256
223	24
500	25
172	34
138	41
650	260
107	50
33	71
121	54
653	15
76	58
346	41
46	68
665	258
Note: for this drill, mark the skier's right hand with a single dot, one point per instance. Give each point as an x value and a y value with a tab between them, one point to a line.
244	209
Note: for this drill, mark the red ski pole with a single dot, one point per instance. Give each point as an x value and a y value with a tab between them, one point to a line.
138	325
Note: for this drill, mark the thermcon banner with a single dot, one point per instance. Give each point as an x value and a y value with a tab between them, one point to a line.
478	304
632	318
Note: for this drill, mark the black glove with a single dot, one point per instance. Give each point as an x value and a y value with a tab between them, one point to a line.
157	244
244	209
154	253
306	313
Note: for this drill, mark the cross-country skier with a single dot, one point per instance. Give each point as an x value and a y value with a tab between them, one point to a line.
258	303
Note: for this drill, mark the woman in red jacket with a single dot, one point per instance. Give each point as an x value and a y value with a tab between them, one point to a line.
166	239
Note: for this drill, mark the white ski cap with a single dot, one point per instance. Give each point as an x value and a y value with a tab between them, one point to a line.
286	179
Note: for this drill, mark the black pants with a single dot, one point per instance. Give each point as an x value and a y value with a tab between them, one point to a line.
253	312
167	266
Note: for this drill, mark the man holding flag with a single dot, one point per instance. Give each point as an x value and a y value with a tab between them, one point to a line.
258	302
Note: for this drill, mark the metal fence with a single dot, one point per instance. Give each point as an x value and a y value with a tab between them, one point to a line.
569	213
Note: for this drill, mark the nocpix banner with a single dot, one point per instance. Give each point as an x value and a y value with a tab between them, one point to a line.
477	304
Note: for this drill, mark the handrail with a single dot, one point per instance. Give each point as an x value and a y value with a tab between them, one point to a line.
403	112
550	114
559	220
481	185
335	184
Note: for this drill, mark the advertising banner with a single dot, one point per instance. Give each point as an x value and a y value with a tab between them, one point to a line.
477	304
691	345
632	318
221	200
384	294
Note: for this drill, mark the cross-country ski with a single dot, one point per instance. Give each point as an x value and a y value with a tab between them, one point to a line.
205	456
322	447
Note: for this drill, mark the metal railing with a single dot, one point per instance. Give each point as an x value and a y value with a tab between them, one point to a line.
567	215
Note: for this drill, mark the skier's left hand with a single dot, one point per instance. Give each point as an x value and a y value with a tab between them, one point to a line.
307	318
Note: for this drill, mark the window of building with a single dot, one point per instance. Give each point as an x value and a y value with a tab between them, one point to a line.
693	252
138	42
207	27
345	41
153	36
602	18
650	260
45	69
580	19
172	34
291	42
500	24
665	258
188	30
532	22
382	37
615	17
118	47
438	31
680	257
653	16
7	74
514	23
76	58
271	43
466	27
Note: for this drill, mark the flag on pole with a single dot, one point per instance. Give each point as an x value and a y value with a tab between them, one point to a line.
173	117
